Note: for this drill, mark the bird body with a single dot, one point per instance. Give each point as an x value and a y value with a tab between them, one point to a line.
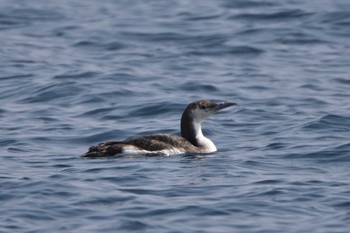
191	141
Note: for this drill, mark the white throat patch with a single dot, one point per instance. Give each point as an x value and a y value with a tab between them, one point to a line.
202	140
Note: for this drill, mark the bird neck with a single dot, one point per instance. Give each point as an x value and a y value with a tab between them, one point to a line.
192	131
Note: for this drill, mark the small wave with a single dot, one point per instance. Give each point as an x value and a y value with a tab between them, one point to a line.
345	205
153	109
330	122
269	182
7	142
74	76
13	77
109	46
226	50
239	4
340	18
281	15
342	81
2	111
11	18
133	225
299	38
276	146
194	86
96	112
101	137
91	99
202	17
332	154
52	92
157	37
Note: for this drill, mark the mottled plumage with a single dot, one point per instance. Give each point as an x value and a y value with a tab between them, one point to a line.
191	140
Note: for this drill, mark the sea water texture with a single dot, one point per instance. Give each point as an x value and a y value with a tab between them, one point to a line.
75	73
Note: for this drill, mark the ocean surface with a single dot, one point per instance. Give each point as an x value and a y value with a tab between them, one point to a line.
75	73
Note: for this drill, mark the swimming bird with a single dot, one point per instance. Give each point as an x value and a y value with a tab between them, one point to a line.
191	141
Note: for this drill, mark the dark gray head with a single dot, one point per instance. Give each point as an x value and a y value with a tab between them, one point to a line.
195	114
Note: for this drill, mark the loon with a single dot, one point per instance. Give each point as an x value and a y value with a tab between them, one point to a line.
191	141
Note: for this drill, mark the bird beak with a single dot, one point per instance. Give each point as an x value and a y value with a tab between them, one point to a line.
221	106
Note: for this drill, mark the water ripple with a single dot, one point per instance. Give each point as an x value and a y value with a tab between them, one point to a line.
330	122
77	73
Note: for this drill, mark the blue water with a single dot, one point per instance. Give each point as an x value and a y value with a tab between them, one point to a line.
75	73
